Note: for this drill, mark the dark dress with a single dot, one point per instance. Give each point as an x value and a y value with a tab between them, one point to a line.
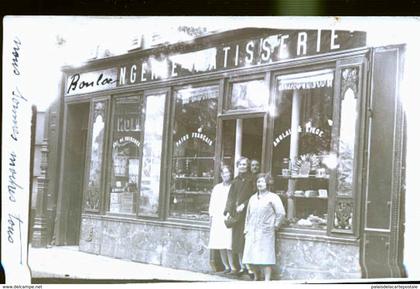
242	188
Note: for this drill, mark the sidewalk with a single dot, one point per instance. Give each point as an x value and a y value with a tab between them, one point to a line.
69	263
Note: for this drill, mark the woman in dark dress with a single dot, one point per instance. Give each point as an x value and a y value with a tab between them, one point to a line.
242	188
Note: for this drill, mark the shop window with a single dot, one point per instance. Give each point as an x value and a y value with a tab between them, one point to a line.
126	154
194	136
93	184
136	155
346	144
152	152
249	95
302	154
344	181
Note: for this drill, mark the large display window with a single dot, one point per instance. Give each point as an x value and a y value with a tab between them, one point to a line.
193	166
302	153
127	141
137	132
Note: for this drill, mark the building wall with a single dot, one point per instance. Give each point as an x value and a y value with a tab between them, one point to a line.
316	259
183	247
39	137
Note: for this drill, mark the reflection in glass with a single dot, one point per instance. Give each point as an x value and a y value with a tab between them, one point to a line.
346	143
92	194
152	150
194	136
249	94
127	141
302	144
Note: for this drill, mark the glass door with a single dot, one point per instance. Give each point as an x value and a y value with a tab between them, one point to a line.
242	137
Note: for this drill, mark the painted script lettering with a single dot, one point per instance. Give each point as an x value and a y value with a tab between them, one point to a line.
77	83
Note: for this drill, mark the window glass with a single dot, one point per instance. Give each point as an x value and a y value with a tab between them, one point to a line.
93	184
346	143
302	154
249	94
152	152
194	136
126	154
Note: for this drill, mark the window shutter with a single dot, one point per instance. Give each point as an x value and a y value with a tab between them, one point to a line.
382	226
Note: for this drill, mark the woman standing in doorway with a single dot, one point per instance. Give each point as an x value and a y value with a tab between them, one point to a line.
264	215
220	236
241	190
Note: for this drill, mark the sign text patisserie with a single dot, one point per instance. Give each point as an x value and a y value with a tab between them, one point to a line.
280	46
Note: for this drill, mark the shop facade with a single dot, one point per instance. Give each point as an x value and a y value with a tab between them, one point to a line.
138	141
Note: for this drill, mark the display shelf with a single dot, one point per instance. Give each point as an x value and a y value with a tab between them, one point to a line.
192	193
305	197
193	158
300	197
193	178
313	226
300	177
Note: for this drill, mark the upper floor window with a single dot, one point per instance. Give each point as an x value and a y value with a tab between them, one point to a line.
248	95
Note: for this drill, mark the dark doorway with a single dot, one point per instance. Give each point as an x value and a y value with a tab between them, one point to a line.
242	137
73	174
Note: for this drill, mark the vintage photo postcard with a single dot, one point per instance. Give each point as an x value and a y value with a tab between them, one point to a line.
210	149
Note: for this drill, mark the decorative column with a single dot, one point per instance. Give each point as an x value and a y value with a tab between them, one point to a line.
238	144
294	149
40	229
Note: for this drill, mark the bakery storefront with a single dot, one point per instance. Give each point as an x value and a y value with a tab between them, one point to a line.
141	137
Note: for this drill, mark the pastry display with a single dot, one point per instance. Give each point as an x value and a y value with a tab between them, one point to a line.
311	193
299	193
312	221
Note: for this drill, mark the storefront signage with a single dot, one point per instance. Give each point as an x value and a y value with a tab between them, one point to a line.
125	140
91	81
196	135
128	123
280	46
284	45
308	129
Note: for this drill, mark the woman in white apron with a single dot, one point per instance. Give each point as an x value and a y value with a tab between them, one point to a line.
221	236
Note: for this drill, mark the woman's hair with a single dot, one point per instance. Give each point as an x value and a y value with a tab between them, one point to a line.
267	177
255	160
241	159
225	167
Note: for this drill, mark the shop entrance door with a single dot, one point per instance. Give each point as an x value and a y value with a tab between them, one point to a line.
242	137
70	197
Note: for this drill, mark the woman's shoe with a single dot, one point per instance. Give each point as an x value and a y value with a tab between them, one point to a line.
227	271
242	272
